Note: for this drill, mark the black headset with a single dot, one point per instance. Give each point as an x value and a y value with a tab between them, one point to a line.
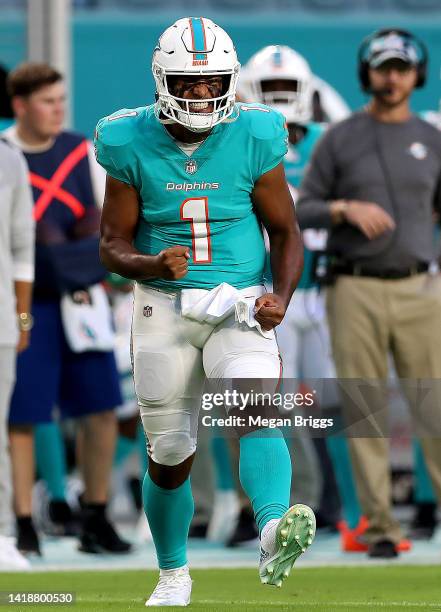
363	64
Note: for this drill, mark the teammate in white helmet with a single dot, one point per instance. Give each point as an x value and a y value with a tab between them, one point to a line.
281	77
258	74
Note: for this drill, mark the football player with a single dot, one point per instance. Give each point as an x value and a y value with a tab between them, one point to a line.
190	181
282	78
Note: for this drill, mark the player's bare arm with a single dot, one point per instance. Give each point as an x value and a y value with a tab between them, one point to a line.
118	226
275	208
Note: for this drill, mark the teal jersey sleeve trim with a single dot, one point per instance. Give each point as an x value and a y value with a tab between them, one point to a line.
115	142
270	136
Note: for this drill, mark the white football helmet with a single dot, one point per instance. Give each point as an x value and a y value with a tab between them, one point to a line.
194	46
332	104
282	63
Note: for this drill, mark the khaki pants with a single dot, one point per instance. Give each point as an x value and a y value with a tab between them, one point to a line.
369	319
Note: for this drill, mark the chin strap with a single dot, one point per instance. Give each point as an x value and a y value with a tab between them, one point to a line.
167	121
234	115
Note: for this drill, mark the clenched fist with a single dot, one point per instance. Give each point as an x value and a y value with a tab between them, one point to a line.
173	262
269	310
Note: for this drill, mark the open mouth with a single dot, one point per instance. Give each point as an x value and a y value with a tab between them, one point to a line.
200	107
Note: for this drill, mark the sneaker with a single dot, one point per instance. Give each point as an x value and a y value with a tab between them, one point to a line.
173	588
52	517
384	549
424	522
283	541
10	557
224	518
99	536
74	492
27	538
351	540
61	520
246	532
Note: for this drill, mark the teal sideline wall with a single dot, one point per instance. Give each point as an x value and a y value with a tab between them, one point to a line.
112	52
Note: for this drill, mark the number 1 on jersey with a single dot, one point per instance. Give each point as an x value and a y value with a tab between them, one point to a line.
195	210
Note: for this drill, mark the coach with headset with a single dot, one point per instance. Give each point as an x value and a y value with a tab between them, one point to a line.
375	182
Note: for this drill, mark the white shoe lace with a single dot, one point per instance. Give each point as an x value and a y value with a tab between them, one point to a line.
268	537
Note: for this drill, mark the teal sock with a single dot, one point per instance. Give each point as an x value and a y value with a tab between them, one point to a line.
222	464
341	461
51	459
424	493
169	513
124	448
265	473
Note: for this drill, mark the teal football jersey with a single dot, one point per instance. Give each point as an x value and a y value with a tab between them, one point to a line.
295	161
298	155
202	201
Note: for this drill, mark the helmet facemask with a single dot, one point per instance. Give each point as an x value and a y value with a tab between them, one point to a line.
293	99
179	110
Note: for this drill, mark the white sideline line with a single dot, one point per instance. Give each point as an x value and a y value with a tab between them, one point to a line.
275	604
119	567
316	604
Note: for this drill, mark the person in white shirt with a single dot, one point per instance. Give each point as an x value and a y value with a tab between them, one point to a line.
16	276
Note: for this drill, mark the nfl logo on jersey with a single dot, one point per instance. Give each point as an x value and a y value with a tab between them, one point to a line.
147	311
191	166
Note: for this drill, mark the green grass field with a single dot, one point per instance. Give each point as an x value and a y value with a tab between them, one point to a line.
334	589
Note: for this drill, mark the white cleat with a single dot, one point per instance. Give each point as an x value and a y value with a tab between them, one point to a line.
173	589
10	557
283	541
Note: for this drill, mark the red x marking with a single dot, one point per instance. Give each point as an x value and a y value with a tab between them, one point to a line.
51	188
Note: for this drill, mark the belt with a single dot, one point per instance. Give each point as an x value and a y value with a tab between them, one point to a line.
354	269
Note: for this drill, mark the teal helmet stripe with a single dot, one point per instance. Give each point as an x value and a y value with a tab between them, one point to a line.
198	37
277	57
